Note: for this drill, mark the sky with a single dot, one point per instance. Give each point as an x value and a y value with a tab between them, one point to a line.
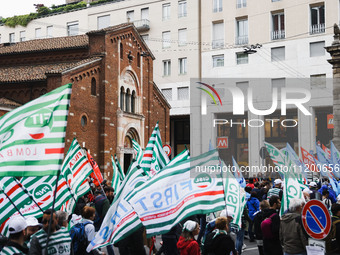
19	7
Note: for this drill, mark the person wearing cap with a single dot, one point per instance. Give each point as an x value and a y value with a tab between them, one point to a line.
33	227
59	240
315	193
17	234
276	190
219	242
306	194
187	245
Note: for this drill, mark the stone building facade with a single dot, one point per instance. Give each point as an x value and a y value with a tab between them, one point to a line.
114	98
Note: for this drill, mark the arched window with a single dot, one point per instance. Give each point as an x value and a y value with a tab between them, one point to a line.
122	95
121	51
93	87
138	59
127	100
133	102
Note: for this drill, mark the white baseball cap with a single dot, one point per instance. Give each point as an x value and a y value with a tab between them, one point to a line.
16	225
312	184
307	190
277	181
32	222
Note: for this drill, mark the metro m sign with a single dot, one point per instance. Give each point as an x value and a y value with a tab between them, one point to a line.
222	142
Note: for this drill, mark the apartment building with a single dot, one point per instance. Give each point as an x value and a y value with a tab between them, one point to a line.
273	39
170	29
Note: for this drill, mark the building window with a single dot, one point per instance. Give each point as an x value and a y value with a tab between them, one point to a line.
218	60
130	16
145	13
49	32
103	21
138	59
167	94
167	67
133	102
317	49
22	36
183	93
127	100
241	58
12	38
122	96
182	65
182	37
166	11
93	87
278	54
218	35
182	9
166	39
83	121
278	83
217	6
317	14
121	51
278	26
318	81
37	33
72	28
242	31
241	3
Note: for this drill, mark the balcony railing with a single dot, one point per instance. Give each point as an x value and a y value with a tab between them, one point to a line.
241	4
217	9
142	25
278	34
240	40
317	28
217	44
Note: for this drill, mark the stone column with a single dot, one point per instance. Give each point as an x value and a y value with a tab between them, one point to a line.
334	51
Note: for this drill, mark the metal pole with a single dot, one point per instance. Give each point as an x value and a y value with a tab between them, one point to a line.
50	223
10	200
28	194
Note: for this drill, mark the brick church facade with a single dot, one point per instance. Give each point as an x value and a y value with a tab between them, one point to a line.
114	98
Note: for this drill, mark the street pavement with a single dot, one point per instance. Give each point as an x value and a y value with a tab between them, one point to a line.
251	248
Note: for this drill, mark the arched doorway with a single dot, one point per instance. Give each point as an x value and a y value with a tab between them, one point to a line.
128	147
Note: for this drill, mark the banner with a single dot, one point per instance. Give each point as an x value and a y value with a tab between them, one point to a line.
32	137
120	170
116	180
235	196
184	155
308	160
238	175
96	175
178	192
120	220
138	151
154	157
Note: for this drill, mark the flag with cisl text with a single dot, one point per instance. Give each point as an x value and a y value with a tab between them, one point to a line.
32	136
177	192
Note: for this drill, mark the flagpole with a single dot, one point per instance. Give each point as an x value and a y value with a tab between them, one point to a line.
16	208
28	194
51	218
71	192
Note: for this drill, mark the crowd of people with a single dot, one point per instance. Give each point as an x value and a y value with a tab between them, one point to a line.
213	234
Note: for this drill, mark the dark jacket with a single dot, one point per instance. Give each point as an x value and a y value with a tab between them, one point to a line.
272	246
23	250
259	217
102	205
221	244
292	235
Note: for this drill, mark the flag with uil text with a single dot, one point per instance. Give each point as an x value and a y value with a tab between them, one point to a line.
154	157
179	191
235	196
120	220
15	199
32	137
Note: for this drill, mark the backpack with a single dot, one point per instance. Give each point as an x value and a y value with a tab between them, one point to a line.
79	238
331	242
266	227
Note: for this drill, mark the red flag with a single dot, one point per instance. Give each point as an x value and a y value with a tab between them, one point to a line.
96	175
308	160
